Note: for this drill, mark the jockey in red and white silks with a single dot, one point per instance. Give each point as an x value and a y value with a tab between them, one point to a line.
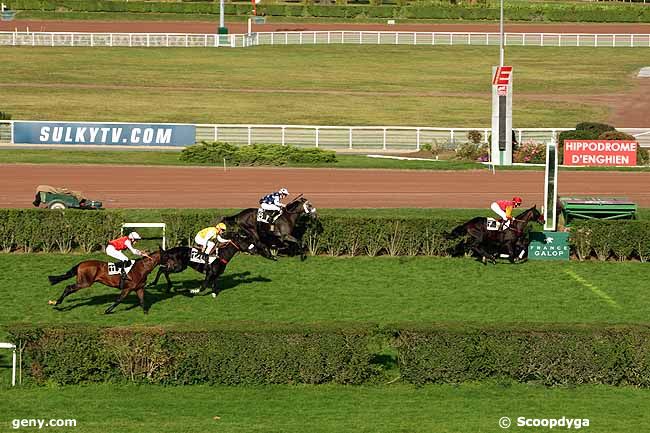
504	208
116	246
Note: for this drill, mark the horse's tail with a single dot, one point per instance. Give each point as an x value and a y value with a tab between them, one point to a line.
54	279
456	232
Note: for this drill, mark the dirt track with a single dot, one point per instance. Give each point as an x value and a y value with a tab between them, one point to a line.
183	187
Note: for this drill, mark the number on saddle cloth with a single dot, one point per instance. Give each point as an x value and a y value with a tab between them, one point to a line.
197	256
116	268
493	224
263	216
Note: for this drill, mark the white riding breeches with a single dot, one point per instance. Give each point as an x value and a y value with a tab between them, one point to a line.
270	206
113	252
497	210
208	246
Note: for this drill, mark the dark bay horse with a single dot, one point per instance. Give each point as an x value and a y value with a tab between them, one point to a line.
282	235
177	259
488	243
91	271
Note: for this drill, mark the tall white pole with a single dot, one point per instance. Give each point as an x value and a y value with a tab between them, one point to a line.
501	50
221	13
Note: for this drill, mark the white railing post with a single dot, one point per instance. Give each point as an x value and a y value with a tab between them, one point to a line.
396	38
541	40
33	39
452	137
433	38
216	133
415	38
317	136
283	136
378	38
11	132
250	128
300	38
417	139
110	40
350	138
384	144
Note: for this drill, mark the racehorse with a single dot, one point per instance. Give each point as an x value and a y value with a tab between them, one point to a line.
177	259
91	271
282	236
510	240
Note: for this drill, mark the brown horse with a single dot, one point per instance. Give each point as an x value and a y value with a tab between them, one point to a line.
91	271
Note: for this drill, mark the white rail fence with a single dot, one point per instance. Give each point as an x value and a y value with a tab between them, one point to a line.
75	39
355	138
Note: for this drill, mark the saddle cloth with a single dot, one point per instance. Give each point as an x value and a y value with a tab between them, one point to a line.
197	257
492	224
263	216
112	270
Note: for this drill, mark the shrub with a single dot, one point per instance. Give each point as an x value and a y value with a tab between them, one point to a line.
642	154
472	152
530	152
256	154
229	355
596	128
475	137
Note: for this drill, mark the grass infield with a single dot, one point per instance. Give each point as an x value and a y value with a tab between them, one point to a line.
315	85
330	289
389	408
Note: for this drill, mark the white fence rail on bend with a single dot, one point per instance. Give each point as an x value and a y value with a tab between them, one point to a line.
356	138
76	39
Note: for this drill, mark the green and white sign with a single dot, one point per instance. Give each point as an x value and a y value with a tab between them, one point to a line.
549	246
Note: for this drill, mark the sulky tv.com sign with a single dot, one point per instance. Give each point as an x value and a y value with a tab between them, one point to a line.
600	152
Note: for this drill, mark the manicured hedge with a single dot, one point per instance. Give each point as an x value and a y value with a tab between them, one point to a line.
45	230
253	355
255	154
587	12
548	354
257	354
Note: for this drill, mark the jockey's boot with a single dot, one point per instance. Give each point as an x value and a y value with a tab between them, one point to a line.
206	257
123	276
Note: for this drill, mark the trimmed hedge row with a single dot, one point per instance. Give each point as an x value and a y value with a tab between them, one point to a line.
216	152
518	12
271	354
549	354
45	230
263	354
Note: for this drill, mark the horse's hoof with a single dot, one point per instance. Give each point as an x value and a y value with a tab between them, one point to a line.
51	302
214	295
194	291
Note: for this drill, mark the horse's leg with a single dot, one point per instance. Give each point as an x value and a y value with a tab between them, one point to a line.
169	281
140	292
68	289
215	283
119	299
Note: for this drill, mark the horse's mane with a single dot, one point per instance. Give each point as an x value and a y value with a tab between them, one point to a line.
296	203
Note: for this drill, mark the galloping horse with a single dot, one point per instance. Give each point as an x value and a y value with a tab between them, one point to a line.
91	271
507	240
177	260
284	225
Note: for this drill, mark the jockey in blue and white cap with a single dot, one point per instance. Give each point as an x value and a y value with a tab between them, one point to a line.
273	202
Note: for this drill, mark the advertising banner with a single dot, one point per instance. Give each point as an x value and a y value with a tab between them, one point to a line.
549	246
600	152
124	134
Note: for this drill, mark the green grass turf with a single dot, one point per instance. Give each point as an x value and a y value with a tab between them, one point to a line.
325	289
158	157
389	408
171	158
376	85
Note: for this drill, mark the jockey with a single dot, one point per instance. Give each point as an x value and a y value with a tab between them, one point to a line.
504	208
115	248
273	203
205	236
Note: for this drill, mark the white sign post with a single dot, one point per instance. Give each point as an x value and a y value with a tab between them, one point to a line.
13	359
550	187
501	147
